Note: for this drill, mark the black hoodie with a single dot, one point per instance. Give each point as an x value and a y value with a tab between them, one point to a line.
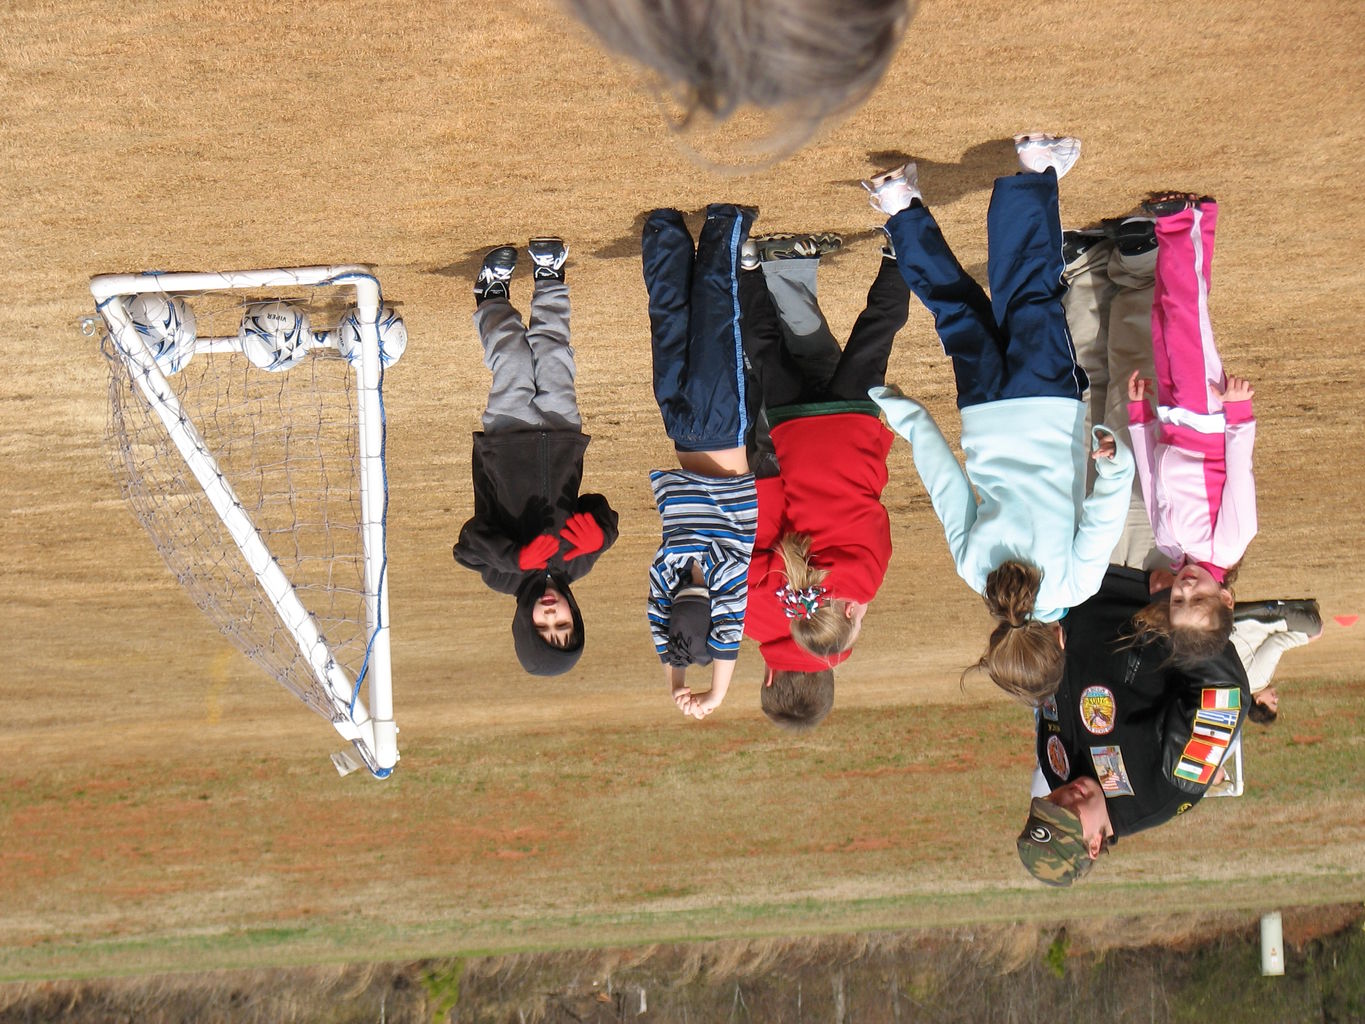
525	485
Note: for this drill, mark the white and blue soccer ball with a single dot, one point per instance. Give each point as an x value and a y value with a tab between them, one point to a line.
393	336
274	335
166	323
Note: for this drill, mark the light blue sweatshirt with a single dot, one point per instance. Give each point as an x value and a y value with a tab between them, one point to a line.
1026	459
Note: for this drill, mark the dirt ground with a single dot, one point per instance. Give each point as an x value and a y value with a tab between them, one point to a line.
158	789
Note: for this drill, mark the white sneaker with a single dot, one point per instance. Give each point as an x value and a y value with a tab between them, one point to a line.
892	191
1038	151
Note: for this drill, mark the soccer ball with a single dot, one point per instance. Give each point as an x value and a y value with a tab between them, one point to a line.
274	335
166	324
393	336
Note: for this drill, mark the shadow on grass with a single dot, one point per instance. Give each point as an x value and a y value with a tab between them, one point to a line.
944	182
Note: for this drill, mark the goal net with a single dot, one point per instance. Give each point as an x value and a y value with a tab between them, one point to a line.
246	424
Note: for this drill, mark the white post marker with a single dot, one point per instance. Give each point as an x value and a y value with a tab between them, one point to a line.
1272	945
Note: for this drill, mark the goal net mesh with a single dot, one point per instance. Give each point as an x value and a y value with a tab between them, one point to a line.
287	444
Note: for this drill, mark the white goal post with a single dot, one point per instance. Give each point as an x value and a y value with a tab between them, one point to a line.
308	499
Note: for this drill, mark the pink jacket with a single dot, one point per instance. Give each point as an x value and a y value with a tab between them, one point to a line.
1198	488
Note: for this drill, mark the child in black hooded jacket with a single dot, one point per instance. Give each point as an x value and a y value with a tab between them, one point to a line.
532	534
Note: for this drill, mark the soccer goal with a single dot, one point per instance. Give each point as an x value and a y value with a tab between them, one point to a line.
246	424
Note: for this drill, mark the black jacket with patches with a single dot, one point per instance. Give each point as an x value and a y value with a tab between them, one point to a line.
1125	717
526	484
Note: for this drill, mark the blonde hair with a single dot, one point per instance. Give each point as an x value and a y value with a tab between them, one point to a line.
798	700
1023	656
828	629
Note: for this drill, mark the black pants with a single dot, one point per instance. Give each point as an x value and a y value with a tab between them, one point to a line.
1014	344
863	364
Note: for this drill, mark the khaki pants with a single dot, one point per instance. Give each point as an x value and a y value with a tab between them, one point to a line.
1109	311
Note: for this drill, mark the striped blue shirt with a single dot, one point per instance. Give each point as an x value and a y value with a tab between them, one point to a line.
710	521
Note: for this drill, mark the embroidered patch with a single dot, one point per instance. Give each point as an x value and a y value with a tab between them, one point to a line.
1211	698
1056	756
1210	728
1040	834
1227	718
1049	709
1193	771
1097	710
1183	808
1208	744
1110	771
1204	752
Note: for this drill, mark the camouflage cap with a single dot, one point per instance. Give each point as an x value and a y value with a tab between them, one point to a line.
1052	845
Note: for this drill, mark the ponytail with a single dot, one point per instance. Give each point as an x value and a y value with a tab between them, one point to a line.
1023	656
818	628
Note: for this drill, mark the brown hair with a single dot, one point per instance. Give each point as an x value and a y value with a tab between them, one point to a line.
1023	656
798	700
828	629
812	58
1189	645
1260	714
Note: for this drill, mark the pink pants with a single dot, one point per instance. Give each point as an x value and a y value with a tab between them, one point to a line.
1187	362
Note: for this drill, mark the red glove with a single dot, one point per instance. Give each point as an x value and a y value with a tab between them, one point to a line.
582	534
536	555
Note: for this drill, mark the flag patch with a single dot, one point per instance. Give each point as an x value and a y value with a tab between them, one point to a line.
1227	718
1193	771
1204	752
1109	770
1212	728
1220	698
1210	736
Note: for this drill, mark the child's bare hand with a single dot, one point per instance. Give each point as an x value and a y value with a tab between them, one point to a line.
703	704
1106	449
1137	387
1239	389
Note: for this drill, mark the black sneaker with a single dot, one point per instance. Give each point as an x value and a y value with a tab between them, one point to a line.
1164	204
1303	617
495	274
1299	616
1076	244
798	247
1133	235
547	257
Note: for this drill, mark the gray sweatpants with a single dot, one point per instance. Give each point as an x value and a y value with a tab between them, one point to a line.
792	285
1109	311
806	334
532	367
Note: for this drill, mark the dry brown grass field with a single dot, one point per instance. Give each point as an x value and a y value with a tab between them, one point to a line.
164	806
